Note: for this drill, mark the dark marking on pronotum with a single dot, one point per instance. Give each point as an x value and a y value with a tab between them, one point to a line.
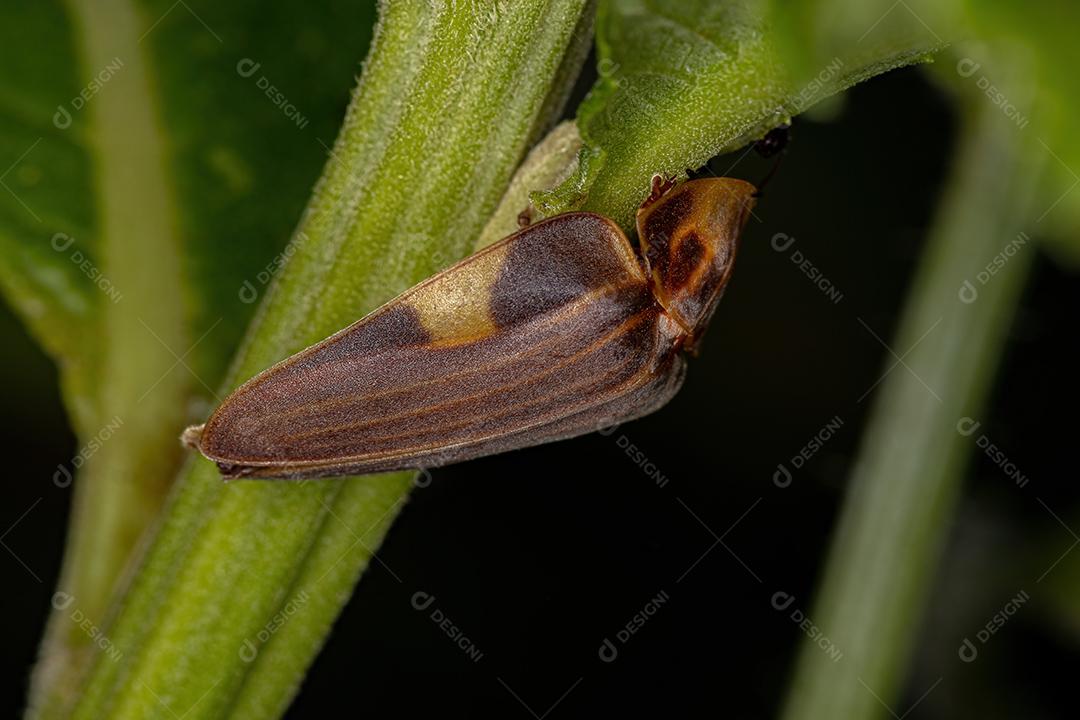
557	330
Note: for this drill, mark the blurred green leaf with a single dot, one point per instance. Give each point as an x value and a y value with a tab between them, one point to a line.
1042	101
240	158
1020	57
46	189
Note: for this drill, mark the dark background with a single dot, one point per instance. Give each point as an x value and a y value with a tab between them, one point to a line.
539	555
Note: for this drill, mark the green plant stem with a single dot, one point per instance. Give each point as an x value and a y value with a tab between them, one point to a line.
450	97
907	477
141	396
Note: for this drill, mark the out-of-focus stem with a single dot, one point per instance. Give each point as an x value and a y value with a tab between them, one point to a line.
908	473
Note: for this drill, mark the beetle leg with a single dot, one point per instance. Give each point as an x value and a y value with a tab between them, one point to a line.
660	186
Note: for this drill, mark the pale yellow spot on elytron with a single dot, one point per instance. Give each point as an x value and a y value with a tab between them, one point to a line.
455	307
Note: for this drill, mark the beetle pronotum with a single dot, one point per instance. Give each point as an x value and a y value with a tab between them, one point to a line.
555	331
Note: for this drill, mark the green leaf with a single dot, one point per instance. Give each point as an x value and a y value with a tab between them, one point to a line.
876	35
144	180
683	82
46	184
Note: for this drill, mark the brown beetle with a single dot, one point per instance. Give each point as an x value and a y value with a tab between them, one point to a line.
552	332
